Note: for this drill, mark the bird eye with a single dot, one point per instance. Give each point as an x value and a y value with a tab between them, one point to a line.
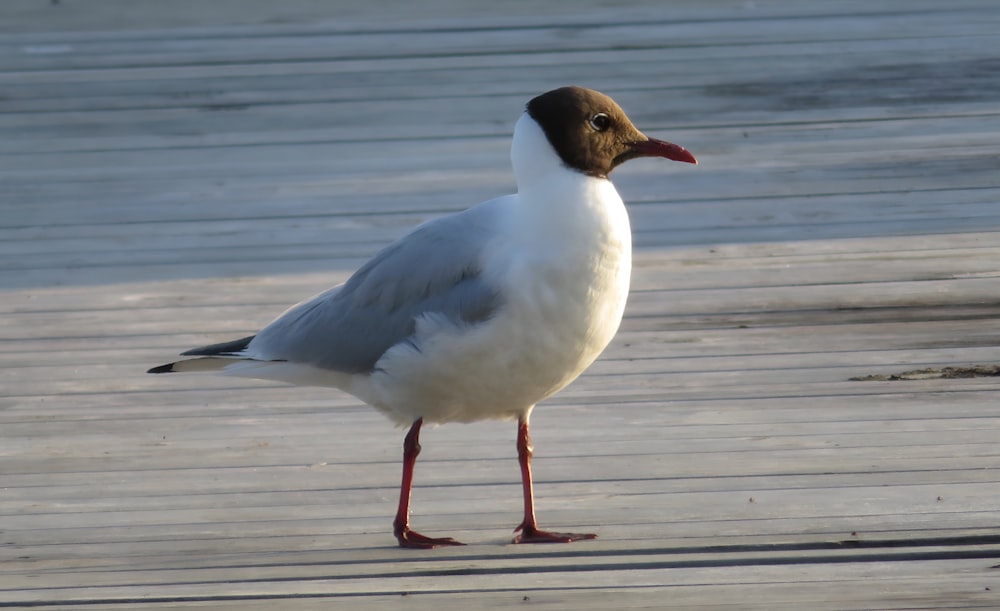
600	122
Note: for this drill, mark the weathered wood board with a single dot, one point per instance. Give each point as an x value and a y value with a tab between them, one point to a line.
173	177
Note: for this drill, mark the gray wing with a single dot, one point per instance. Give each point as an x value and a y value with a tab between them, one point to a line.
436	268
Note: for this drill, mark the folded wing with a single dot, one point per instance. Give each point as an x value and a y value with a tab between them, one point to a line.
435	269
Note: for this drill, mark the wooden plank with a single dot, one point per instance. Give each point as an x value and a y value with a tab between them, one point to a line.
242	85
176	179
487	41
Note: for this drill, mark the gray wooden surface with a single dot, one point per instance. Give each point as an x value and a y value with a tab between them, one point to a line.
174	174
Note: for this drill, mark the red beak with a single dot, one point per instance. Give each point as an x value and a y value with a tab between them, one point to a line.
658	148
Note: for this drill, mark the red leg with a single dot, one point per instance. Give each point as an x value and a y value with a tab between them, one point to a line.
529	532
401	526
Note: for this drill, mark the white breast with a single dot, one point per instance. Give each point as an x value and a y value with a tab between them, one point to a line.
562	257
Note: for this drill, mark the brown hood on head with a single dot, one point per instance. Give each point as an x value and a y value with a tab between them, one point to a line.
592	134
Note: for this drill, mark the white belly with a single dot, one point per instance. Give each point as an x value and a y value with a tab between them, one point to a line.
558	313
499	369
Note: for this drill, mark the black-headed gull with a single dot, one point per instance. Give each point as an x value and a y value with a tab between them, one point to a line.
480	314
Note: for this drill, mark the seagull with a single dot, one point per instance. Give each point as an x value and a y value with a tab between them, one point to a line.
480	314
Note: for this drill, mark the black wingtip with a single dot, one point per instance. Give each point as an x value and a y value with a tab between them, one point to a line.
223	349
168	368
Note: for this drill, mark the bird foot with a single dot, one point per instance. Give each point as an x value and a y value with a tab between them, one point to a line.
530	534
411	539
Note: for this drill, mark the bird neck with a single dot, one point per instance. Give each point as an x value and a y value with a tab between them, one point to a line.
534	160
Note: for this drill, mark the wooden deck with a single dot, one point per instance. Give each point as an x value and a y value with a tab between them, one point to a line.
176	176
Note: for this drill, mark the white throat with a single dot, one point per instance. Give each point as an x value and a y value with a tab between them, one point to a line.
557	203
532	156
